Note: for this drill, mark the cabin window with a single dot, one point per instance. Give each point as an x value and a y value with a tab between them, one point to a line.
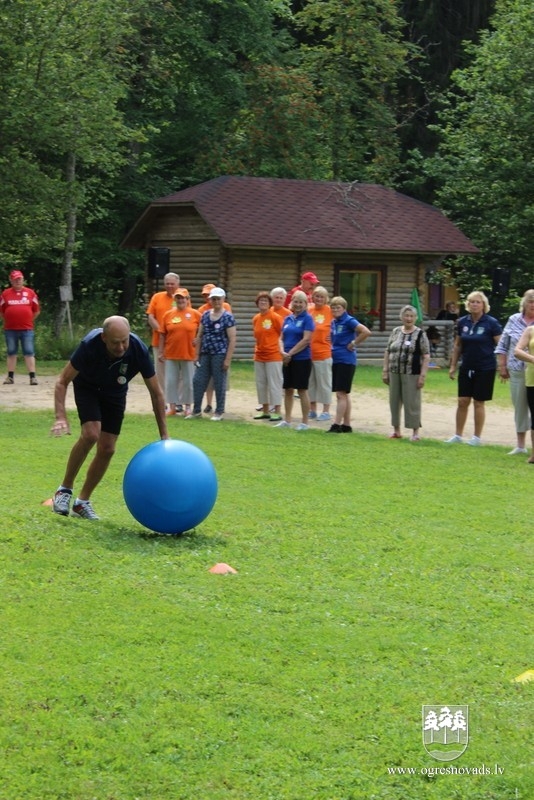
363	290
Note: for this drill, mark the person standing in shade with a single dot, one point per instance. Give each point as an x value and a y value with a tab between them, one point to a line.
477	335
295	347
406	361
159	304
215	344
100	370
450	311
347	334
513	369
19	306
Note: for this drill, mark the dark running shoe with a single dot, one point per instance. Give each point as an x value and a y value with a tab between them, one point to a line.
335	428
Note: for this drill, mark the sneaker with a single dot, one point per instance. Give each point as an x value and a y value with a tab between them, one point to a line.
83	509
282	424
9	381
346	429
262	416
302	427
312	415
216	418
208	410
171	413
61	502
193	415
454	439
335	428
259	408
415	438
275	417
518	451
324	417
474	441
179	409
34	382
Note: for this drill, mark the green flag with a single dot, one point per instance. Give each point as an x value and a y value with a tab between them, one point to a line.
416	303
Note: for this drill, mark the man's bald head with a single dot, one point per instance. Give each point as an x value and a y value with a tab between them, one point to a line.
116	336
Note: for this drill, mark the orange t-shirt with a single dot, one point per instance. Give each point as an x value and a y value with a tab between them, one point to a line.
180	329
158	306
267	329
208	307
282	312
321	344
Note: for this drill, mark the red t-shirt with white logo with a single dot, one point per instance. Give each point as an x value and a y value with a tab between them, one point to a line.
18	308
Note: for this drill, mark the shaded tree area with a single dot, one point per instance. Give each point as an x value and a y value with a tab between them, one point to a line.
105	106
484	167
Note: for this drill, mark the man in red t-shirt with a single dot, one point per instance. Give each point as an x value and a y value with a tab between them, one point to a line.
19	306
308	281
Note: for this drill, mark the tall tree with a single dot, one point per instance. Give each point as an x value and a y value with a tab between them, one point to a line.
60	123
353	52
485	162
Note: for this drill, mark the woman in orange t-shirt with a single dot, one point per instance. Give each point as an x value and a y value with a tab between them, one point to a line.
267	326
176	348
321	349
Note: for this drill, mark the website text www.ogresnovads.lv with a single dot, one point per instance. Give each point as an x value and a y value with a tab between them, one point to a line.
483	769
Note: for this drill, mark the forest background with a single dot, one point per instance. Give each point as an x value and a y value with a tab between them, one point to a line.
106	105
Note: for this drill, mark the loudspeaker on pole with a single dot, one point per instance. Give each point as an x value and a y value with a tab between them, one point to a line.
501	282
158	261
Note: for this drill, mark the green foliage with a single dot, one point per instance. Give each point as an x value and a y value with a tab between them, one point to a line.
362	593
354	53
485	162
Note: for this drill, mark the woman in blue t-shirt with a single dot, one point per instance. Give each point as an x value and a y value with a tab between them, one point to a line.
477	335
347	334
296	359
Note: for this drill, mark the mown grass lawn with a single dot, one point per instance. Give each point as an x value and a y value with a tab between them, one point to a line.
373	577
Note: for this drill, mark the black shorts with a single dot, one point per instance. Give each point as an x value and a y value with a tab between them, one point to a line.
342	377
94	407
297	374
477	384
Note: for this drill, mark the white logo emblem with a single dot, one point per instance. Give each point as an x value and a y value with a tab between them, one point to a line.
445	731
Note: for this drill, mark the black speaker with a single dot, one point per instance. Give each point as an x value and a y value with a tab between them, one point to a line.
158	261
501	282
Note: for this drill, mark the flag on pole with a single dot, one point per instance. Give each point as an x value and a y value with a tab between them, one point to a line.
416	303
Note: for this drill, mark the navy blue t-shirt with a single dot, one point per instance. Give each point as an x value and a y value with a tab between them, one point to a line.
108	375
478	343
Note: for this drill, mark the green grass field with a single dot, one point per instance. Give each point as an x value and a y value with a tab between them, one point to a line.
371	580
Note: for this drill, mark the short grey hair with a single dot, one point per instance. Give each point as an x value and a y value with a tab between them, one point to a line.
404	309
278	289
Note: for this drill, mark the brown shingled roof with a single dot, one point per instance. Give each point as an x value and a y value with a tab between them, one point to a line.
319	215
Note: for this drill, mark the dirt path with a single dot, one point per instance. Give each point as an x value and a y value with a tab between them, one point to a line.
370	410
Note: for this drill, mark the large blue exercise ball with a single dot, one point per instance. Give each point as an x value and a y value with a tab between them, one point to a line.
170	486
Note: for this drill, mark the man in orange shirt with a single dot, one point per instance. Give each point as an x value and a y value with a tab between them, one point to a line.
176	348
159	304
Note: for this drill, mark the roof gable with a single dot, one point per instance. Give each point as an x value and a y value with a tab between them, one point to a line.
301	214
